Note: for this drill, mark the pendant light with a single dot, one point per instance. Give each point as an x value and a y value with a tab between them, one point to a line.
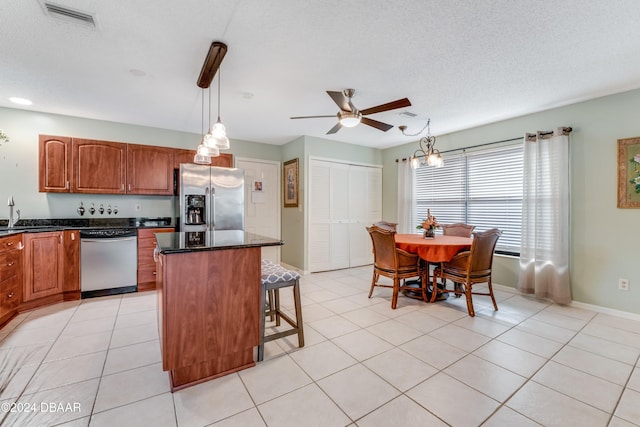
202	156
210	145
219	133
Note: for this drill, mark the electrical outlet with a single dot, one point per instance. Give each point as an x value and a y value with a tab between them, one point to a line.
623	284
138	207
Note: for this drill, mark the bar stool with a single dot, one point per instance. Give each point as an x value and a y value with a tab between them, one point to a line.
273	278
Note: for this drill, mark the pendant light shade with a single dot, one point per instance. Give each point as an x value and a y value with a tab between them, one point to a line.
219	132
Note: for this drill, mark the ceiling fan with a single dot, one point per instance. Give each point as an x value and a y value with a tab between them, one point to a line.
350	116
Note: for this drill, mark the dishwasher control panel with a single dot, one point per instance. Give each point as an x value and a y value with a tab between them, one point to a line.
108	233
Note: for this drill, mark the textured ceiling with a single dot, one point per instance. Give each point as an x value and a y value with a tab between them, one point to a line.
461	63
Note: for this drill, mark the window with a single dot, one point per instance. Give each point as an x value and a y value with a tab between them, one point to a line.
482	188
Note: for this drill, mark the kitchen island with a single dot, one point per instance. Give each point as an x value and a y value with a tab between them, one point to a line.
208	302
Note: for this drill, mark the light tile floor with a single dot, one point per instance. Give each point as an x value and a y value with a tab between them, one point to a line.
531	363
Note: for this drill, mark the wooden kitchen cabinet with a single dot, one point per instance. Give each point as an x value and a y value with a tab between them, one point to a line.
55	164
43	264
149	170
71	264
10	276
99	167
186	156
147	272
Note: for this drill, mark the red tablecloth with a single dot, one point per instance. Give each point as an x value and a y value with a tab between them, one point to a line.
438	249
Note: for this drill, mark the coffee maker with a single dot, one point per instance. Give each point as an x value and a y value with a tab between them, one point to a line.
194	209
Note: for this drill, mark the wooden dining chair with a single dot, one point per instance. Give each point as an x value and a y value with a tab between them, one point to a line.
458	229
385	224
394	263
469	268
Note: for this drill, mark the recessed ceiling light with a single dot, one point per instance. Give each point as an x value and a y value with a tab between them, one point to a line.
137	73
20	101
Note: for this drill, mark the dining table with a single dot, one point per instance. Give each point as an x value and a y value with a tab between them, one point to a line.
439	248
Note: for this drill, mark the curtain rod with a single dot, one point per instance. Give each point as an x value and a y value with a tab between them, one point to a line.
565	129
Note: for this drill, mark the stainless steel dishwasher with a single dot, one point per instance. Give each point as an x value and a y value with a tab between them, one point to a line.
108	261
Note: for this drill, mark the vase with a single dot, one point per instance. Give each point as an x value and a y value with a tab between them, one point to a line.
429	233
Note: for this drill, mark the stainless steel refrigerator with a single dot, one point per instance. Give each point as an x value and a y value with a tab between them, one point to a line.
211	198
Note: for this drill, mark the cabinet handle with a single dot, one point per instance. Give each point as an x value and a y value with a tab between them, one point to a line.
20	246
155	254
122	187
154	273
73	236
60	238
11	295
129	187
10	264
9	243
66	186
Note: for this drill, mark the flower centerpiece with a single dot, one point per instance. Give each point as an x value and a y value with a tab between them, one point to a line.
429	225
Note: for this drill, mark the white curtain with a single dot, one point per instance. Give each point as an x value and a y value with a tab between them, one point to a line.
544	251
406	195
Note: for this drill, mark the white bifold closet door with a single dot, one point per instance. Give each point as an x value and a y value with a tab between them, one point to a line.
343	200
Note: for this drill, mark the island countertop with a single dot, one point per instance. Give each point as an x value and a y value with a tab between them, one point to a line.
195	241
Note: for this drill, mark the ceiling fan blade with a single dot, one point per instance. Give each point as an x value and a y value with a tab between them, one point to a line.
310	117
340	99
399	103
376	124
335	129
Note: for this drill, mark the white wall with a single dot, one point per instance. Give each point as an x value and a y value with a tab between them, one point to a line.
605	240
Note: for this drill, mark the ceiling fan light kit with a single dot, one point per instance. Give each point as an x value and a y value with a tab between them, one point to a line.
350	116
349	119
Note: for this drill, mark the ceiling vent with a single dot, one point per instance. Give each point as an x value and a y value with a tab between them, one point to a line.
408	114
67	14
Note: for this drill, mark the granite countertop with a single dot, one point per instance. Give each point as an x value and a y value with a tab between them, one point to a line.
43	225
192	241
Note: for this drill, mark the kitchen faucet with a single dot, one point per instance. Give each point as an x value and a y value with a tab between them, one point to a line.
12	221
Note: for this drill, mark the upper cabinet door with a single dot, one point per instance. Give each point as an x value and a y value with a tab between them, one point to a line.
224	160
181	155
99	166
149	170
55	164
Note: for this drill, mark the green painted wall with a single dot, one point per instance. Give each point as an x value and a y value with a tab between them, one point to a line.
19	162
604	239
293	227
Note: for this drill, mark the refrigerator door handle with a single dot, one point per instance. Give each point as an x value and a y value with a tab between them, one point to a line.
212	216
207	202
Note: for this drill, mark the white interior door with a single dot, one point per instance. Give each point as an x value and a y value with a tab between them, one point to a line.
343	200
340	216
319	216
262	201
360	189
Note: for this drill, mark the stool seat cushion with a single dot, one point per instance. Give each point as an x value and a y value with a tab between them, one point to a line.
274	273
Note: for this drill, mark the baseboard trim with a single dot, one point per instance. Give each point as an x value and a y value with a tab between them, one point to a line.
578	304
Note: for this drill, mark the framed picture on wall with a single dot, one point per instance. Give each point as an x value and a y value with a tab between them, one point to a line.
290	183
629	173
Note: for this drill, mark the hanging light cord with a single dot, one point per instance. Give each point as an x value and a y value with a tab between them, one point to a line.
202	115
219	78
403	128
209	115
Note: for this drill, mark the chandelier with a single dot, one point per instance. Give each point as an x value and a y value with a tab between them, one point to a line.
426	149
